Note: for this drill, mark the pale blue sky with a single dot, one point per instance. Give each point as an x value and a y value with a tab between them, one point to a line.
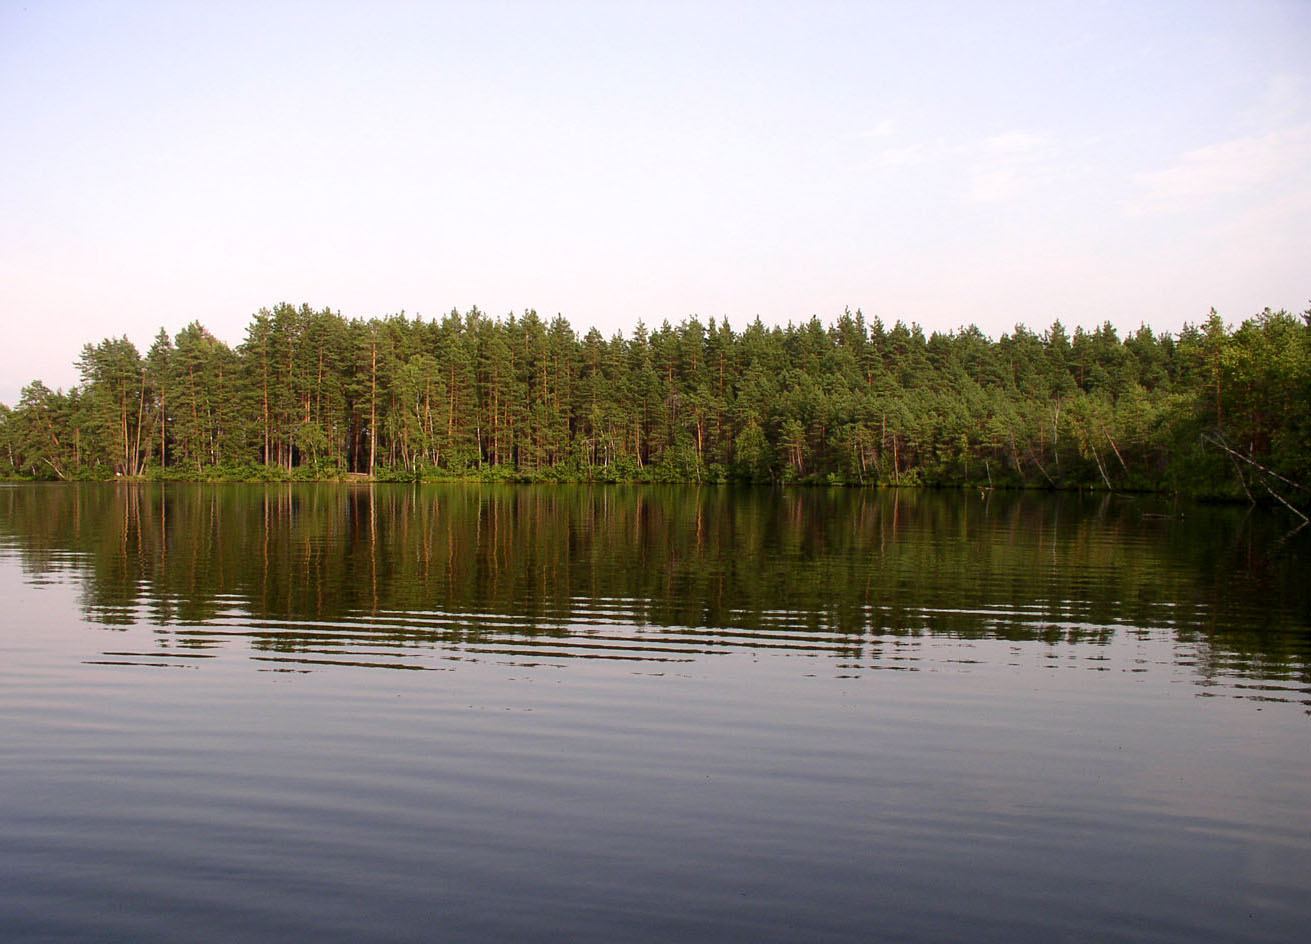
946	163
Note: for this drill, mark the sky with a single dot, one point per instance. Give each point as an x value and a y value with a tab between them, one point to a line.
946	163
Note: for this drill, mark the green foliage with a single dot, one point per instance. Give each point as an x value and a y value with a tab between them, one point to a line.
312	395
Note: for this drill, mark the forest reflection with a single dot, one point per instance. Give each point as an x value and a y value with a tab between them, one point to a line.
298	567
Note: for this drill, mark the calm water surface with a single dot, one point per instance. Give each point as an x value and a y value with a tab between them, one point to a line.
337	713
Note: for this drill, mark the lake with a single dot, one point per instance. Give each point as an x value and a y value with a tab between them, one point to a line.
494	713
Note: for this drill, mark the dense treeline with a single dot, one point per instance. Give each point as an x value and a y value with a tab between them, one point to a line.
1213	410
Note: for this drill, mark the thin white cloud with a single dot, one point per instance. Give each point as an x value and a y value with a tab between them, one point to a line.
921	152
1007	164
993	169
1015	143
881	130
1237	166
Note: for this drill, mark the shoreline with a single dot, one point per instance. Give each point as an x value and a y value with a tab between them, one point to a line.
528	478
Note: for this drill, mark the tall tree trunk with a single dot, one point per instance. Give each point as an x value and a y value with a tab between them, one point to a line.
373	404
163	461
141	417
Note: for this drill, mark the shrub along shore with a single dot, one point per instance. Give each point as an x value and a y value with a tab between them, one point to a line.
1214	411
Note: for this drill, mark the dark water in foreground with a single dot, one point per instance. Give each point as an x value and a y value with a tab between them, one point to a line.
333	713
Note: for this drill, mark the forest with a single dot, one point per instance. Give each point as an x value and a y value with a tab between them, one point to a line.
1213	410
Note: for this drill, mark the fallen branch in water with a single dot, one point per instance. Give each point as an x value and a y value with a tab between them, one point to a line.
1238	471
1285	502
1252	462
1235	455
